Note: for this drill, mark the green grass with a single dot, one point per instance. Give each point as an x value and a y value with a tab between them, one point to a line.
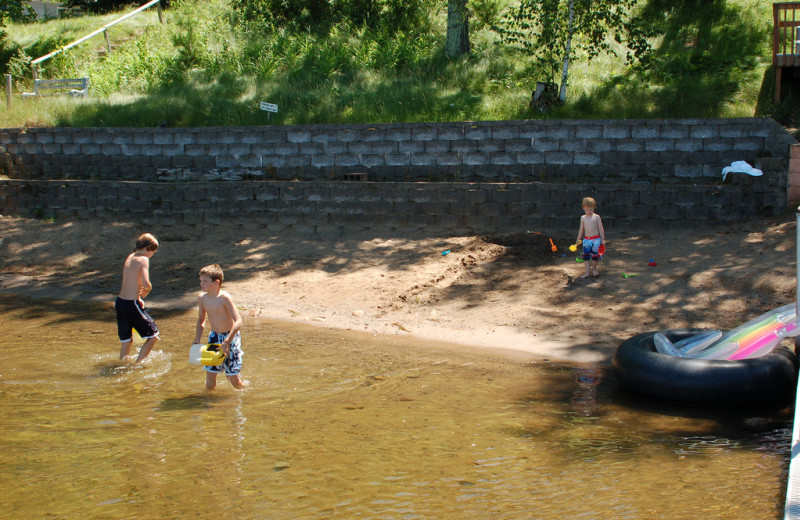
196	69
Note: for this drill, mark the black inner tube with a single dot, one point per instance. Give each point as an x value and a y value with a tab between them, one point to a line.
766	379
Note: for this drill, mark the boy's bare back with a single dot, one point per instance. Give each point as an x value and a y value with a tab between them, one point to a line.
135	277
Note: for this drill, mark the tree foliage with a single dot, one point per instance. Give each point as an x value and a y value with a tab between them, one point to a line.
105	6
320	15
10	10
555	32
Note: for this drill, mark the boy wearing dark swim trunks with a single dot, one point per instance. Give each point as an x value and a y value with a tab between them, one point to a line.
130	302
223	316
593	235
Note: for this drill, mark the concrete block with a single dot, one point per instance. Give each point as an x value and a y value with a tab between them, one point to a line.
184	138
398	134
572	145
502	158
481	133
587	158
162	138
616	132
423	159
223	136
748	144
658	145
590	132
560	132
504	132
545	144
462	208
531	130
411	147
674	131
436	146
527	158
237	149
491	209
555	157
423	133
482	224
703	131
463	146
398	159
448	159
645	131
669	212
298	136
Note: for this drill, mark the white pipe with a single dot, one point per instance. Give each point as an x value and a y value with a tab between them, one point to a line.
95	33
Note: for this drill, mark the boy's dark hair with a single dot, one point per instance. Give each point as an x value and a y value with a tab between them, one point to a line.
147	242
213	271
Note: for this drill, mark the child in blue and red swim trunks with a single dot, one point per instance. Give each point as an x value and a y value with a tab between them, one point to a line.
593	235
223	316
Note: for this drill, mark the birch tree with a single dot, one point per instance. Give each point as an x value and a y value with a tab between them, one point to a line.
556	32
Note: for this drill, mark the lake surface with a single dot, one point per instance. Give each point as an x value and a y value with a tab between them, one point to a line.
343	425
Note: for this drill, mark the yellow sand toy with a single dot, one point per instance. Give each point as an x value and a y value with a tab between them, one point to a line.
206	355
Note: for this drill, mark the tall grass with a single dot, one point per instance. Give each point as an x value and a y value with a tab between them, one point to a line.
199	69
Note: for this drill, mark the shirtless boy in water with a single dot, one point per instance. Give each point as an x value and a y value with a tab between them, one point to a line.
225	321
593	235
130	302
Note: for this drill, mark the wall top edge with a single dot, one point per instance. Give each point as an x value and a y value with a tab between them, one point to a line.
390	126
588	187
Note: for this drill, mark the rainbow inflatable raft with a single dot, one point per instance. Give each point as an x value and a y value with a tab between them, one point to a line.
746	365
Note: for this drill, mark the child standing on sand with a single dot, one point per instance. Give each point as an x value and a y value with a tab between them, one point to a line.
225	321
129	305
593	235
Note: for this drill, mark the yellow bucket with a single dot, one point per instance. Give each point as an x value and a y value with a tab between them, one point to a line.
206	355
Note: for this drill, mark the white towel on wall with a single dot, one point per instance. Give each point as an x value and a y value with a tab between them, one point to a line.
741	167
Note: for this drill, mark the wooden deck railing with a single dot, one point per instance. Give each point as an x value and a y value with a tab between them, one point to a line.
785	40
786	34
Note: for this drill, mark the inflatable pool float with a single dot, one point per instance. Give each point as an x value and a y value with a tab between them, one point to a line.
639	367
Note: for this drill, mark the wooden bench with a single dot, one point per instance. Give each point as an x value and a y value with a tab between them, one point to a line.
75	86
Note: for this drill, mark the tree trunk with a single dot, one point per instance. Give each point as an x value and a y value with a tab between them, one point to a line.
562	95
457	43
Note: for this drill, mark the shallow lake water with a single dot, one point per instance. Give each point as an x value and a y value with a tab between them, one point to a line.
337	424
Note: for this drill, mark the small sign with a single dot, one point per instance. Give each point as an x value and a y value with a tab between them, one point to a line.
269	107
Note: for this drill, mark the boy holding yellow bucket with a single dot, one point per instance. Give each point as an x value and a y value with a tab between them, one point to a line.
223	316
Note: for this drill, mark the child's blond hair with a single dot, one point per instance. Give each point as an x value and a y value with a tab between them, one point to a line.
147	242
213	271
588	202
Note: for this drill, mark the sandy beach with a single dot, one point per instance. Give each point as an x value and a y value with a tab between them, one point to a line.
507	292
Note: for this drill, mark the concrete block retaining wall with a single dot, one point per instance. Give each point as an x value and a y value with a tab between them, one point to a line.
328	207
481	177
682	151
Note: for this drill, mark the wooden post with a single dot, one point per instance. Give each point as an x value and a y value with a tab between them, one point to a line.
160	16
8	91
108	42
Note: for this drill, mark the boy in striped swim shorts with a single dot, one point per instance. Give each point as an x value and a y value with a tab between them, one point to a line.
593	235
217	306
